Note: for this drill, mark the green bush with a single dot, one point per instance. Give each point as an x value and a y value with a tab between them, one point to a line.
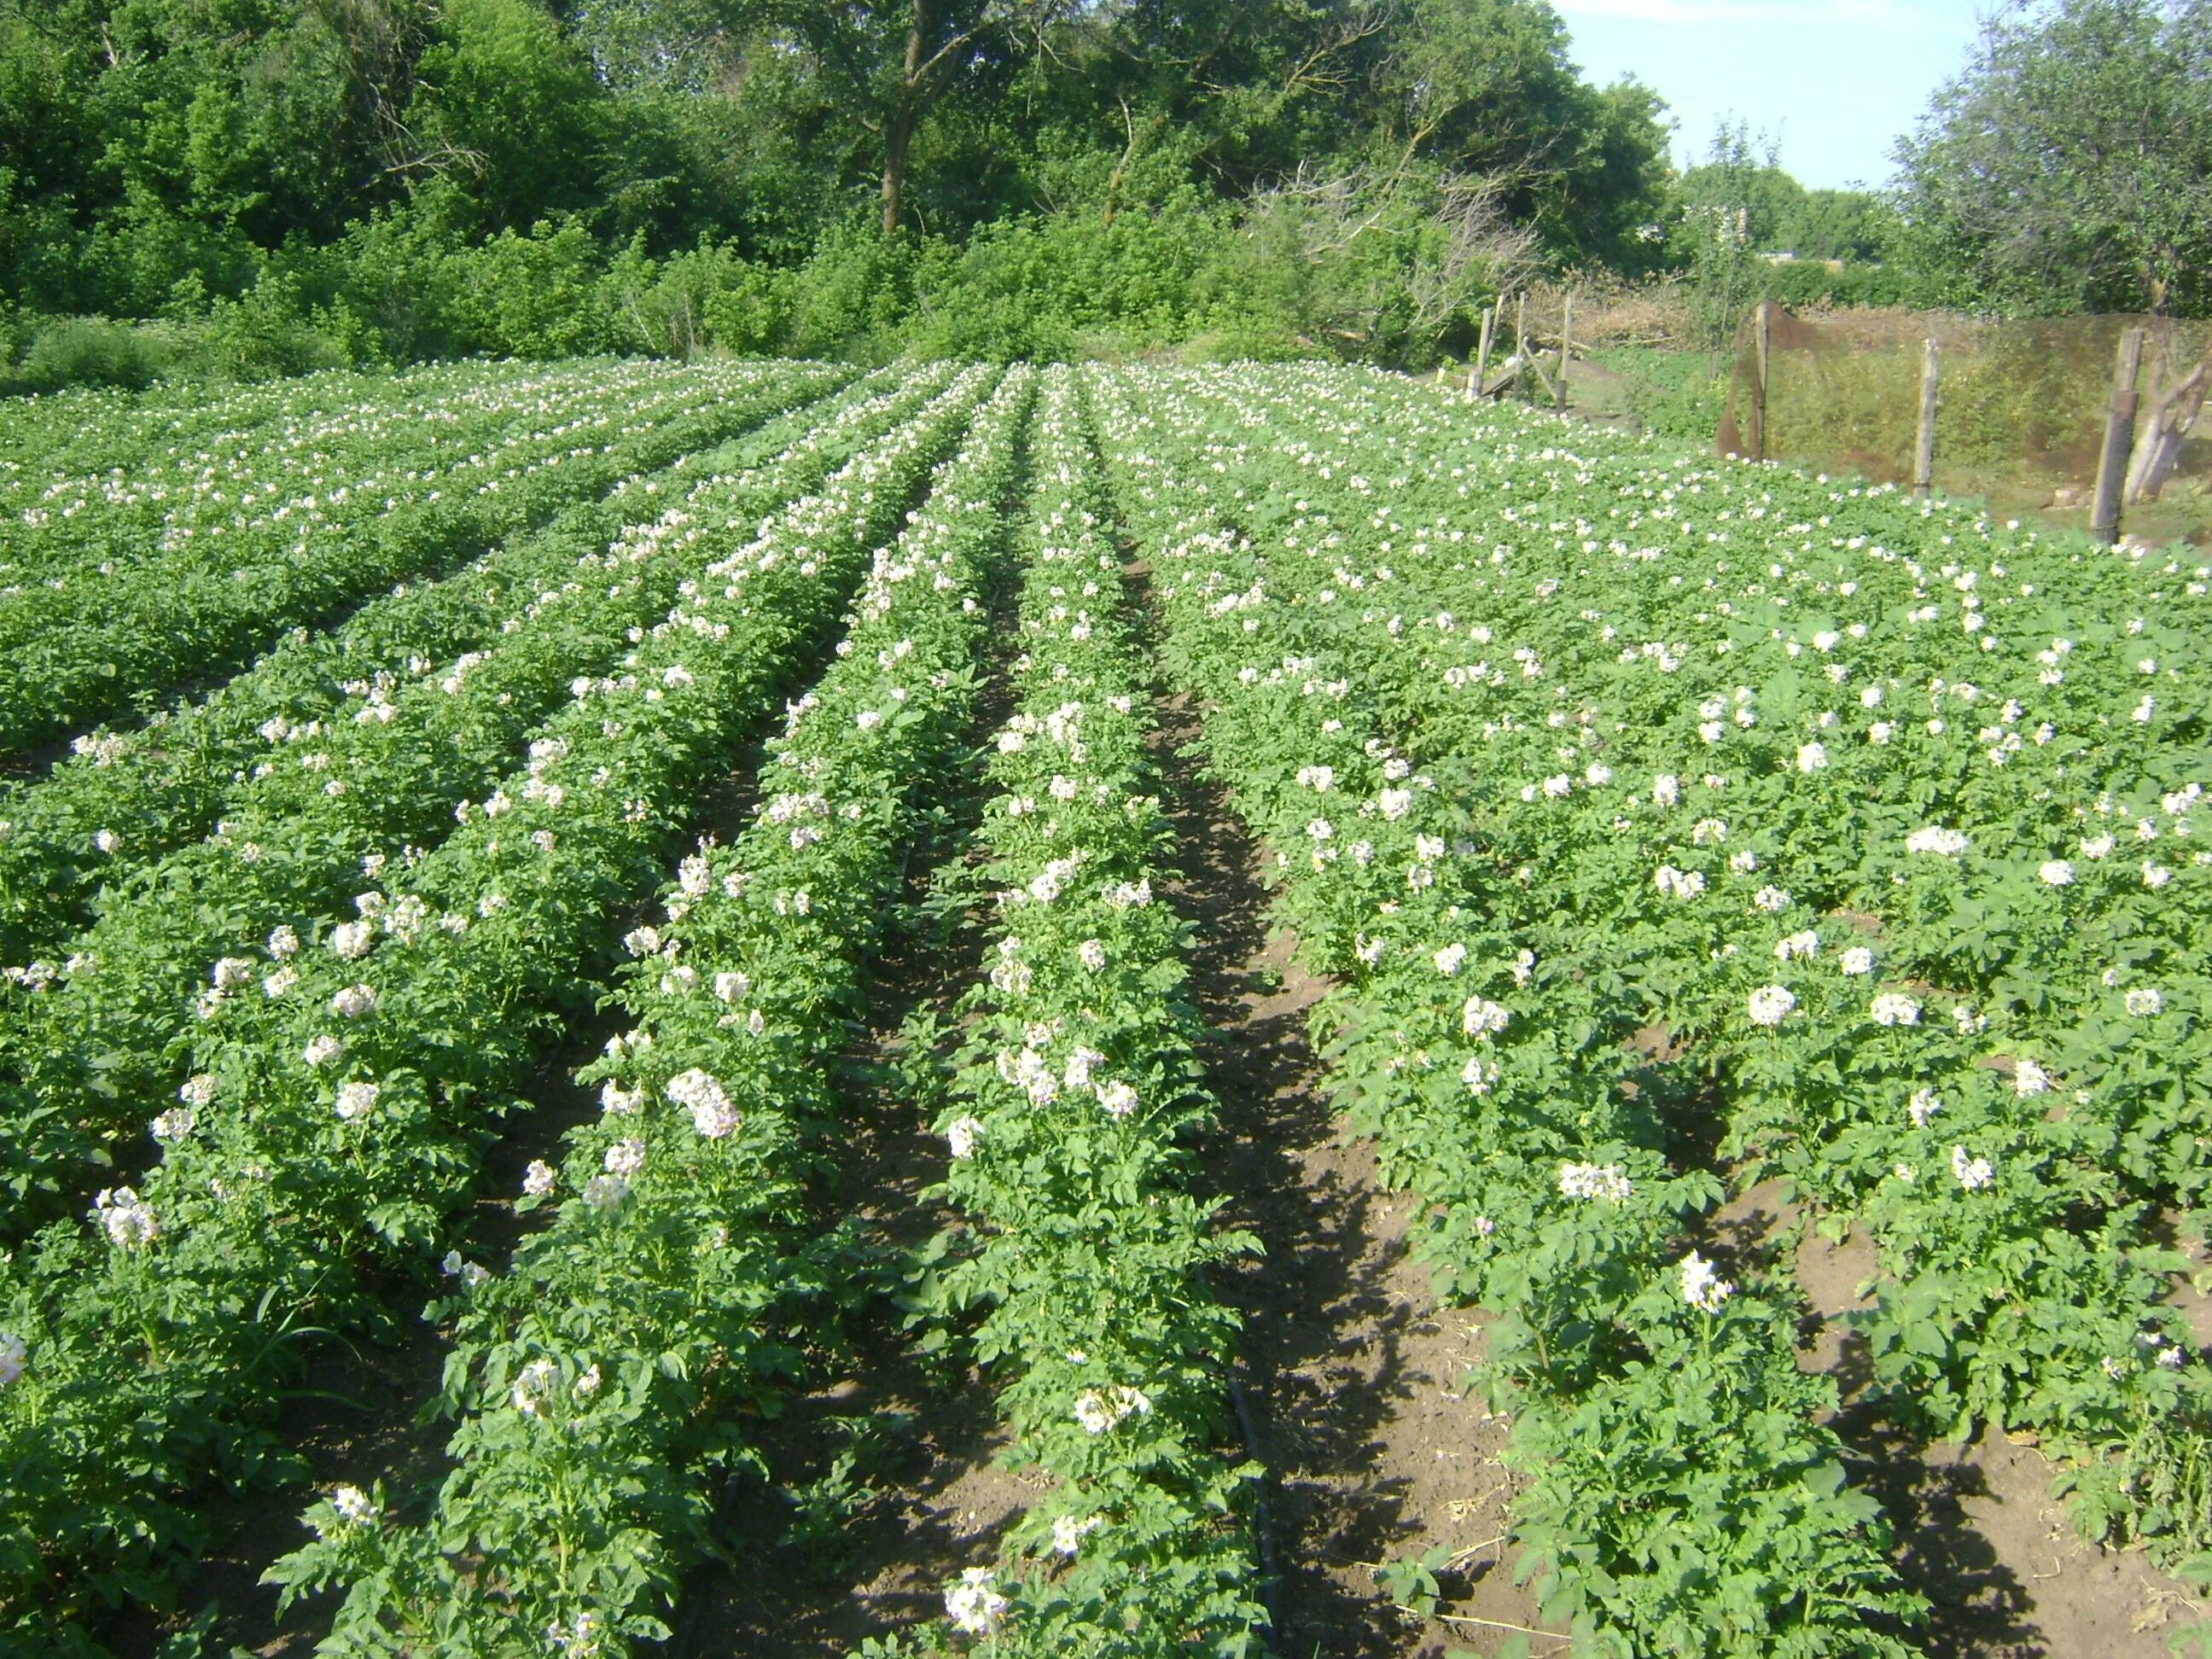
749	314
271	331
539	296
264	334
17	325
94	351
1171	272
1675	393
1810	282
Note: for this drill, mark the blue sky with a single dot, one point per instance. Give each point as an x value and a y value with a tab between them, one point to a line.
1835	81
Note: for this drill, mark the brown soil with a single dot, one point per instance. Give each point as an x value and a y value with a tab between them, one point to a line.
1351	1371
1978	1533
352	1418
927	1496
1981	1537
930	1498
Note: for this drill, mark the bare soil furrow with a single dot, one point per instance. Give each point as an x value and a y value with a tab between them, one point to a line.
1352	1370
1977	1530
881	1481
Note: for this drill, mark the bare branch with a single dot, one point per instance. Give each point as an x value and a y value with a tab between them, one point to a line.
1453	242
922	73
443	159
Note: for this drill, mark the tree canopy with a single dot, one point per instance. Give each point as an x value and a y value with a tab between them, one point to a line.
400	178
2069	167
159	150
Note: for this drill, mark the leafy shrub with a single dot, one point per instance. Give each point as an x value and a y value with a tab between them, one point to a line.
1168	271
750	312
94	351
538	295
263	334
1811	281
1676	394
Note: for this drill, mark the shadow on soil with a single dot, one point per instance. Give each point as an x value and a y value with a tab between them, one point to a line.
1350	1370
1978	1530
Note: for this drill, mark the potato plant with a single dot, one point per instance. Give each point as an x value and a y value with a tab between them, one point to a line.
1668	832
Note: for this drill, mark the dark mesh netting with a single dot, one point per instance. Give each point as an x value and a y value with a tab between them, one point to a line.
2020	412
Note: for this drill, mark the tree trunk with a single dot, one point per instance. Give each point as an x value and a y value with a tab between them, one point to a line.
898	133
899	130
2171	412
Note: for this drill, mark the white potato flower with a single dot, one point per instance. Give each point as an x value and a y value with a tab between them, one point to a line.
1600	1181
974	1607
1770	1004
356	1100
1973	1173
1702	1287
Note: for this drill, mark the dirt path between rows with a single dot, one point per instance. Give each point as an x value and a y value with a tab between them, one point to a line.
1352	1372
1978	1530
883	1479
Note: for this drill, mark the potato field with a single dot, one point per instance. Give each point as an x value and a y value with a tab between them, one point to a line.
562	923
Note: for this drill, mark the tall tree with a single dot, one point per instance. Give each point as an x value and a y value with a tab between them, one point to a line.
509	101
1486	88
2069	167
156	154
1726	207
895	61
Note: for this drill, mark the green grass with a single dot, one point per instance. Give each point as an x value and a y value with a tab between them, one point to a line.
1675	393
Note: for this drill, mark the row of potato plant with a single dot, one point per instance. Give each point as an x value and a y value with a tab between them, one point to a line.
125	795
151	502
64	451
2035	910
62	518
602	1382
1678	1492
1949	977
92	1053
342	1088
86	432
1087	1246
235	559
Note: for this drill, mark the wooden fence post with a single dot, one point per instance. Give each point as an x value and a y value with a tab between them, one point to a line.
2120	439
1519	332
1762	329
1924	448
1567	337
1482	352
